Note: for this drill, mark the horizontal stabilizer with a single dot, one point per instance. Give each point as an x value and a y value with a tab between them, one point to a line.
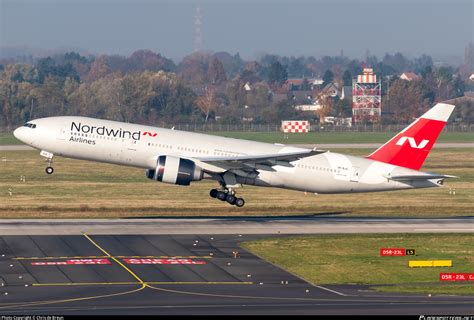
418	177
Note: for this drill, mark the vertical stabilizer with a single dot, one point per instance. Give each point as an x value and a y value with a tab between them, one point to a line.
411	146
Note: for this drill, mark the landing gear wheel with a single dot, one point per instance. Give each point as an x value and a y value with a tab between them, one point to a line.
239	202
213	193
221	195
230	199
49	160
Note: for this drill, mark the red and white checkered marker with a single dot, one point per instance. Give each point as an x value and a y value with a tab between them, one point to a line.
295	126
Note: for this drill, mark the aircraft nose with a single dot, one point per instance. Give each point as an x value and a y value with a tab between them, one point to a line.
19	133
16	132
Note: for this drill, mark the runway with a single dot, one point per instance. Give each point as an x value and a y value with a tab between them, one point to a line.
234	225
177	274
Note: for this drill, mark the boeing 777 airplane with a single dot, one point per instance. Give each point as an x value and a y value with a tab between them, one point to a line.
180	157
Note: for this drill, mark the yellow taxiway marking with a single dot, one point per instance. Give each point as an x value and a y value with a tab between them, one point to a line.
38	303
140	282
116	260
143	285
120	257
135	283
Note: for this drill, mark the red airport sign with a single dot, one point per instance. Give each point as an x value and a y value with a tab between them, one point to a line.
453	276
163	261
387	252
71	262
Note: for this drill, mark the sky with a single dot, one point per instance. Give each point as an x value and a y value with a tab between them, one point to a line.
441	28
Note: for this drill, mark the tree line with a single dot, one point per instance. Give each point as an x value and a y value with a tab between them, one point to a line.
151	89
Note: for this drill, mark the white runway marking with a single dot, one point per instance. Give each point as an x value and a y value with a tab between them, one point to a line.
333	291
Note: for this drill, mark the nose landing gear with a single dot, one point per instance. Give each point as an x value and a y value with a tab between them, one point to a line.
49	158
227	195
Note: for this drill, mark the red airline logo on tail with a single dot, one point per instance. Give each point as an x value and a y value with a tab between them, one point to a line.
421	136
412	142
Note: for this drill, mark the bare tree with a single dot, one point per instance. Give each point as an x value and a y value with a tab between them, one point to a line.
326	103
208	101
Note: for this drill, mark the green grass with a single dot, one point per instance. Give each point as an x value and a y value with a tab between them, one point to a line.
82	189
335	137
8	139
309	138
354	259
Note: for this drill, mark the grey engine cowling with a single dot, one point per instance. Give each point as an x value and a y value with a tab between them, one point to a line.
175	170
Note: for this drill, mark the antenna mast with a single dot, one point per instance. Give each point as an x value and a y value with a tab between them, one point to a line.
198	30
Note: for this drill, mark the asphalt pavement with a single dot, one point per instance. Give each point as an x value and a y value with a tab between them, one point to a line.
177	274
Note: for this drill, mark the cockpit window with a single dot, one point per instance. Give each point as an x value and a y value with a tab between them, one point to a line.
30	125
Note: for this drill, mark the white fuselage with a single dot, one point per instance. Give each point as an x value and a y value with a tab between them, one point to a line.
140	146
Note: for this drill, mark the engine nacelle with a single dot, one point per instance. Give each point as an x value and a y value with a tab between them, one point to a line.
175	170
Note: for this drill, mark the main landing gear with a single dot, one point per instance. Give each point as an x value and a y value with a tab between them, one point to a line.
49	158
227	195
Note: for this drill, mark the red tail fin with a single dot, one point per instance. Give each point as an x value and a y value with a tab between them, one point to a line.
411	146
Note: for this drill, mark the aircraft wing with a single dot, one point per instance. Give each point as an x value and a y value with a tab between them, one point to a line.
246	162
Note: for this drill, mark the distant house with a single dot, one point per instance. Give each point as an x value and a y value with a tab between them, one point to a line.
308	107
302	96
331	90
304	101
316	82
410	76
471	77
247	87
294	84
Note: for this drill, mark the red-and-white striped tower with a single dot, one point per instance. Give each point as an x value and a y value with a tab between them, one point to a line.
366	97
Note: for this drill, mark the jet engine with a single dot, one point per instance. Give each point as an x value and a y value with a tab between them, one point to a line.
175	170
